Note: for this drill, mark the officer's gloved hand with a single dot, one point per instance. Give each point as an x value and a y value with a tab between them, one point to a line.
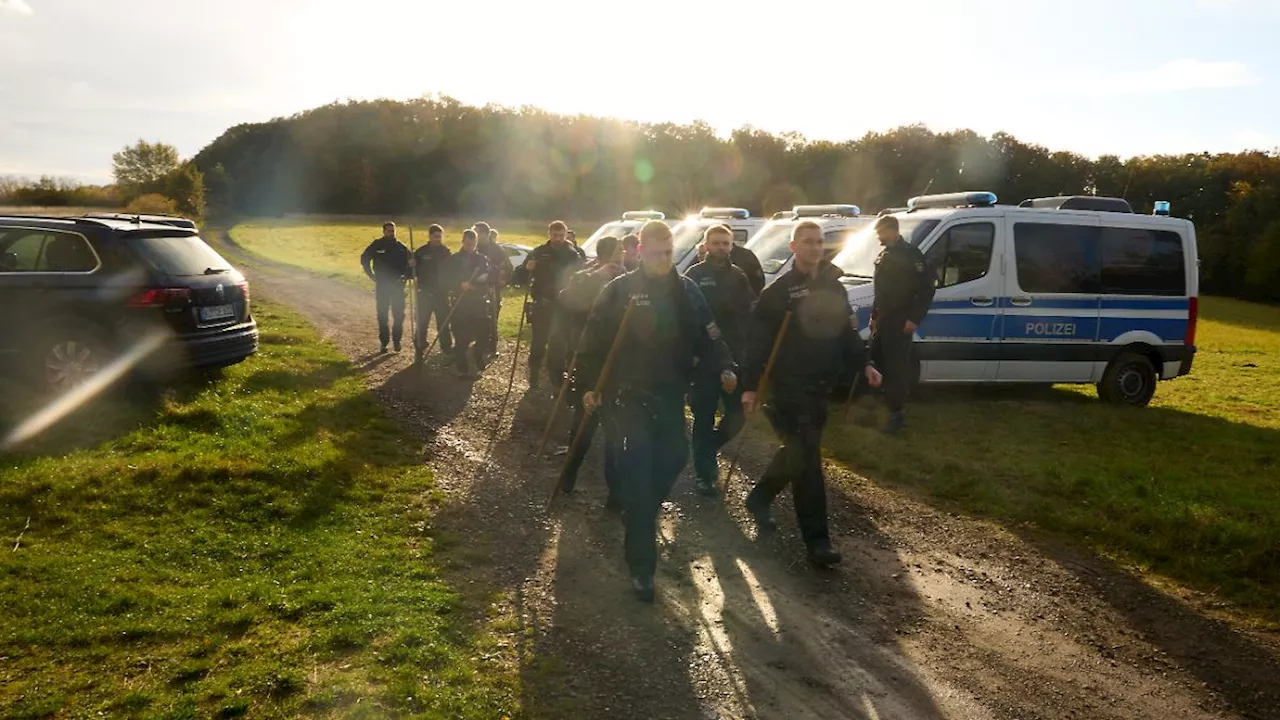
728	381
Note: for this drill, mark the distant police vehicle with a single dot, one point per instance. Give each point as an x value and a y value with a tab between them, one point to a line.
631	222
688	234
772	243
1057	290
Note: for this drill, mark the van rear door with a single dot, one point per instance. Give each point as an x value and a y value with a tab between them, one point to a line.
1049	312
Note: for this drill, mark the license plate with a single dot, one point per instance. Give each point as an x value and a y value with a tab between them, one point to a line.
211	313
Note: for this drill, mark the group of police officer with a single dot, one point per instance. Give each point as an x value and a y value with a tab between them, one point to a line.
659	341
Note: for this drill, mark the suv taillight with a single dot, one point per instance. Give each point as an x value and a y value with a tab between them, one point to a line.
1193	315
244	290
159	297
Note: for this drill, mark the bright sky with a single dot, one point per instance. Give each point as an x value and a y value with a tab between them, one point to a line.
79	79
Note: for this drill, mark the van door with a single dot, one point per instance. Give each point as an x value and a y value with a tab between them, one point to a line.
1049	315
957	341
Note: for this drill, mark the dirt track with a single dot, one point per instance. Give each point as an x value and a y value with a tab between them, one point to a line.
930	616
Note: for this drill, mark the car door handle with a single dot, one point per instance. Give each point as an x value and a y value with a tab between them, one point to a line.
1020	301
981	301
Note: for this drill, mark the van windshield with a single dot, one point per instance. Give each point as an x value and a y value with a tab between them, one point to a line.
862	247
618	229
773	246
686	236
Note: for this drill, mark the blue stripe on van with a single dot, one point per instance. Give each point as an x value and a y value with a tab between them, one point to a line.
1171	330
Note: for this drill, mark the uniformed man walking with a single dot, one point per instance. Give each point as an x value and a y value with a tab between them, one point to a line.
430	268
631	252
549	265
729	295
670	332
386	262
576	301
749	264
471	278
820	348
904	291
487	245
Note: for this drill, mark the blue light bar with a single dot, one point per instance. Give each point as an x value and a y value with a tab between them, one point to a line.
952	200
643	215
825	210
725	213
1162	208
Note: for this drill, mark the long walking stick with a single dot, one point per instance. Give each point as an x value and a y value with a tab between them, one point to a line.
560	396
764	381
447	318
515	357
597	390
413	292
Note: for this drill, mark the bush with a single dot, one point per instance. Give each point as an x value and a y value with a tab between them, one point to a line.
152	204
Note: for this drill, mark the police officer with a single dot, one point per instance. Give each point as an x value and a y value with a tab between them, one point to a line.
904	292
572	237
821	348
471	277
576	301
386	262
749	264
670	332
431	267
549	265
487	245
728	293
631	252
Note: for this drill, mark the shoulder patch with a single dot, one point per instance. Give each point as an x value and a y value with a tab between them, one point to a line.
713	331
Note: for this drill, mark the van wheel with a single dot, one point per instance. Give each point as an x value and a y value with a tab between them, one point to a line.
1130	379
68	358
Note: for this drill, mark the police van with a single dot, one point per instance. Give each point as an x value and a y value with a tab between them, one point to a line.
1056	290
688	233
631	222
772	243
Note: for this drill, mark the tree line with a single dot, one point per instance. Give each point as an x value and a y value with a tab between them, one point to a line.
437	156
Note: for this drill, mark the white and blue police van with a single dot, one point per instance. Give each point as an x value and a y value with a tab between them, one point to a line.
772	242
1056	290
688	234
631	222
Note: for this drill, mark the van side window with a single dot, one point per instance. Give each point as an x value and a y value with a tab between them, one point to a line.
962	254
739	237
1057	258
22	250
1137	261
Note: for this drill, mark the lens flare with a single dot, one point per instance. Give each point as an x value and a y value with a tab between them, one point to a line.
76	397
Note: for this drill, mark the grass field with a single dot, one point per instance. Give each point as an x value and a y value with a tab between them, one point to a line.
256	543
334	249
1188	488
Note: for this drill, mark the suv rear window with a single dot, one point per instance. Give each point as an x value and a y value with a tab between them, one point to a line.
185	255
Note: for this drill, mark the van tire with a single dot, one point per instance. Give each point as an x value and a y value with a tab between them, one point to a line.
1130	379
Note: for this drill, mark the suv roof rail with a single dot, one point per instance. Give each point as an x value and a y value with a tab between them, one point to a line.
973	198
1079	202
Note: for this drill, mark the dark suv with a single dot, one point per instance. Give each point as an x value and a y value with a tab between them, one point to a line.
78	293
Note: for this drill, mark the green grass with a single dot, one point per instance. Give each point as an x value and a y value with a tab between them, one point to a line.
257	543
334	249
1188	488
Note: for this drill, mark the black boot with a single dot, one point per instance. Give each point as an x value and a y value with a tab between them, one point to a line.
642	586
822	554
897	421
706	487
760	513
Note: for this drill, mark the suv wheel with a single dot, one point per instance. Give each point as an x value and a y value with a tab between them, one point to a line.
69	359
1130	379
